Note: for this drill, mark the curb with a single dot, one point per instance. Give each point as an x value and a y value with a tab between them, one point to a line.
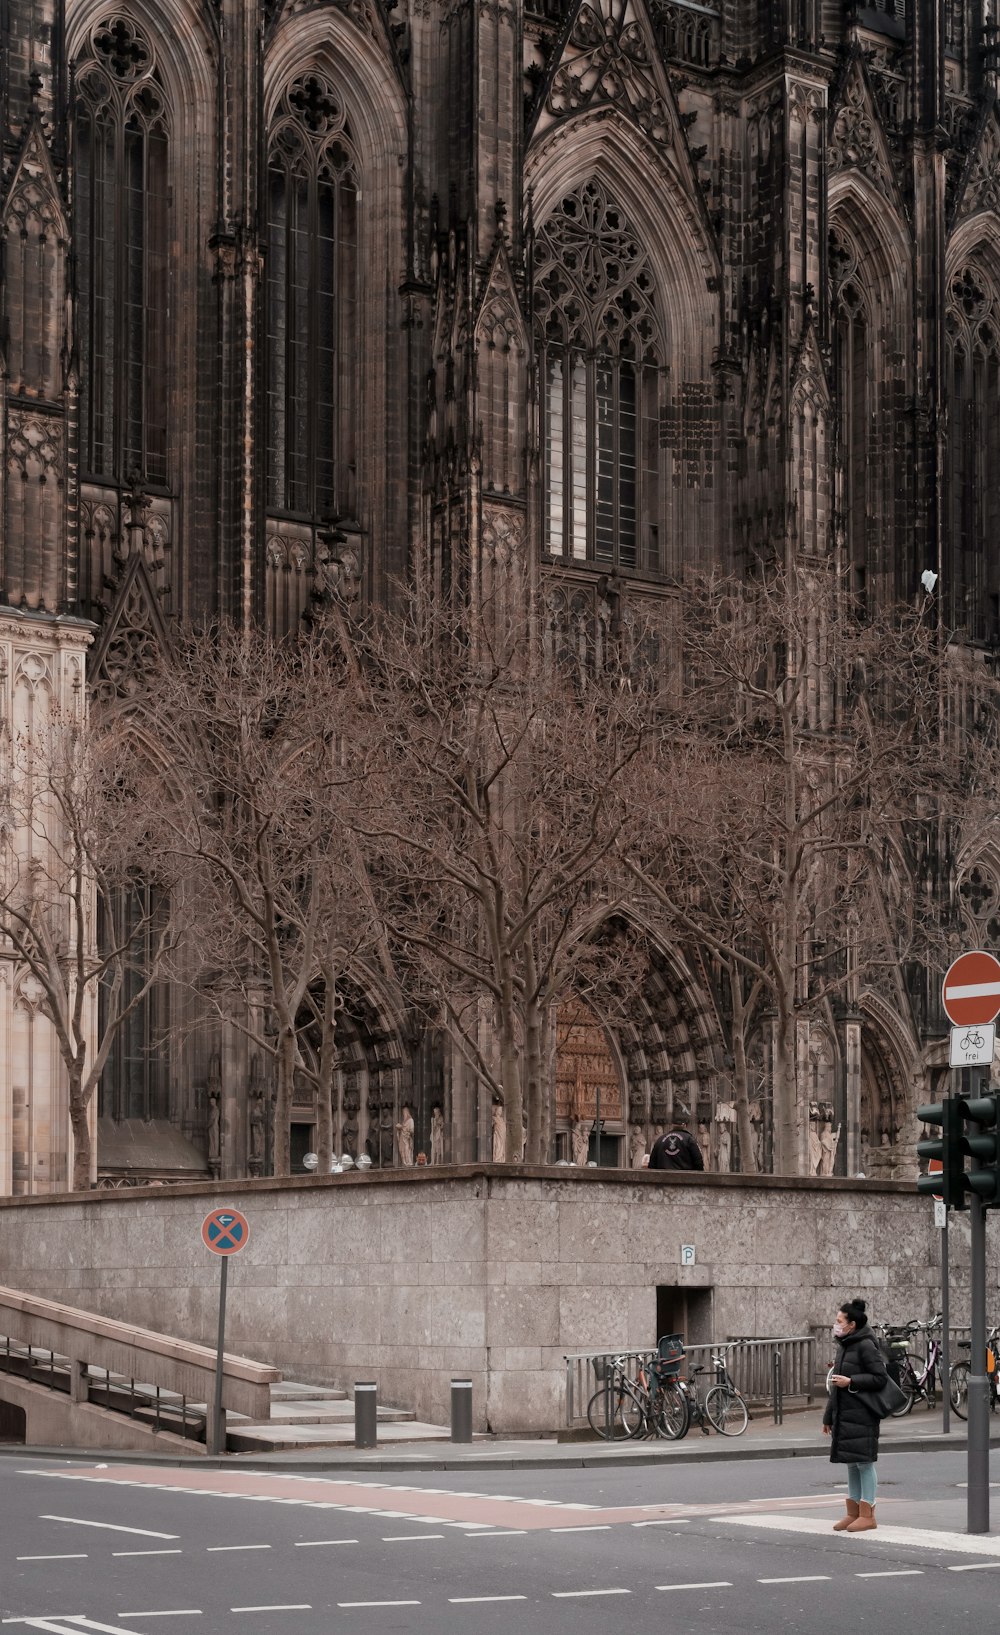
728	1453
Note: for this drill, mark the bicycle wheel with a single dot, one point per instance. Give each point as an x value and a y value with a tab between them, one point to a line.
616	1413
959	1389
908	1385
726	1410
672	1411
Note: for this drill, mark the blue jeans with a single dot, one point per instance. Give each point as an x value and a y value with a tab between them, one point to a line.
862	1481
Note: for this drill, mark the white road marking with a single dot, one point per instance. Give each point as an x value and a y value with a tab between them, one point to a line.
672	1521
809	1578
501	1532
147	1552
347	1604
110	1526
408	1538
924	1539
82	1557
216	1549
477	1600
173	1612
280	1606
710	1584
320	1543
594	1527
569	1595
898	1572
976	1567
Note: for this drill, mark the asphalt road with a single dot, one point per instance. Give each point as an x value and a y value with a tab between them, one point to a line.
115	1548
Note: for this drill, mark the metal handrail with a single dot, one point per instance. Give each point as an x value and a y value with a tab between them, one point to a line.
750	1363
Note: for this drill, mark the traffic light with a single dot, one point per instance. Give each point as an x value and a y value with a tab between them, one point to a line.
950	1184
980	1142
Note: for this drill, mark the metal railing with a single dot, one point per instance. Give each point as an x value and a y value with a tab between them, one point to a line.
154	1378
751	1364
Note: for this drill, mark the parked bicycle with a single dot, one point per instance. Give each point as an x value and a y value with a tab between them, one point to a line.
917	1377
722	1407
619	1408
958	1375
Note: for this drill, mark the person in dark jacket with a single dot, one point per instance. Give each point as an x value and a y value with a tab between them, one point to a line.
677	1149
848	1421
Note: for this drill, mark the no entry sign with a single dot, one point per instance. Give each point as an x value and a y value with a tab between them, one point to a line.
225	1231
972	989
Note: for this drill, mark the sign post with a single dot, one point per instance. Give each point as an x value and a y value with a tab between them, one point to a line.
225	1232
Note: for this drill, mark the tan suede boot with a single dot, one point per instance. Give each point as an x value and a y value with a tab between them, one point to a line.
865	1522
853	1511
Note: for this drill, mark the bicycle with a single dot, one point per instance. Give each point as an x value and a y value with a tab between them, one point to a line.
619	1408
971	1041
958	1375
914	1382
722	1408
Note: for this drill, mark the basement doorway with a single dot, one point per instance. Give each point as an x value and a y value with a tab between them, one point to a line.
686	1311
13	1423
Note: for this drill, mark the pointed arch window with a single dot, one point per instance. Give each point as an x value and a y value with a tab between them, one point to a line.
312	306
601	379
122	151
855	407
973	320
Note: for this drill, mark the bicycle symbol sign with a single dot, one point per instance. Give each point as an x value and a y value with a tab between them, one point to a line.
225	1231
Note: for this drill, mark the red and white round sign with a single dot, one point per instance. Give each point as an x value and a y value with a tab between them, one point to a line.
972	989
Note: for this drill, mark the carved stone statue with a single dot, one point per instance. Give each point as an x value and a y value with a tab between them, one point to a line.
214	1129
829	1141
404	1138
637	1146
581	1143
725	1116
499	1135
756	1110
437	1135
815	1150
258	1119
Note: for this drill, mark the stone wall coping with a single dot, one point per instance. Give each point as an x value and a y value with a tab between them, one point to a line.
138	1339
490	1173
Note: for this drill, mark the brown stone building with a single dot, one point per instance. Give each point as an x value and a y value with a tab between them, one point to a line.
295	289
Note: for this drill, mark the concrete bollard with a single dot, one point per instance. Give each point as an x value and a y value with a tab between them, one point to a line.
365	1414
461	1410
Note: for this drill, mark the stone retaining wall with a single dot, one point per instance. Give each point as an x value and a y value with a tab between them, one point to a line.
489	1271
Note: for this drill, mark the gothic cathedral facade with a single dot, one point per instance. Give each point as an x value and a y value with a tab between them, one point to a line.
301	288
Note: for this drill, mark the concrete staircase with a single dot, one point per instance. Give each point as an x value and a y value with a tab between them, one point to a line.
317	1416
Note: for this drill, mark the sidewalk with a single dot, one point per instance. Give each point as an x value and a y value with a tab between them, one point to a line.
799	1437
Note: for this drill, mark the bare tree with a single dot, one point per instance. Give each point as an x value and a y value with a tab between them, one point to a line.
79	906
804	732
250	726
496	813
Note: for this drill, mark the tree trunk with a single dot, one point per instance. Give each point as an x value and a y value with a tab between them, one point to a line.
534	1078
510	1068
325	1131
741	1088
82	1145
784	1094
281	1142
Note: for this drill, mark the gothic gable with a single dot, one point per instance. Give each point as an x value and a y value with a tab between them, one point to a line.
33	187
133	632
979	188
499	308
807	380
857	140
608	58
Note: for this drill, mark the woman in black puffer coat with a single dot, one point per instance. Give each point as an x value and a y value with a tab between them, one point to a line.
850	1424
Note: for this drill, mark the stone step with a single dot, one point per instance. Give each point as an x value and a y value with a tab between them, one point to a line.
331	1413
293	1391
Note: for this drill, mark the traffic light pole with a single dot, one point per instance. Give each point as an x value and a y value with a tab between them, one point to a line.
945	1333
979	1402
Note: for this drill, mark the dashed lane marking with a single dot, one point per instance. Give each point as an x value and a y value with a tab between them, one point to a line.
480	1600
321	1543
709	1584
227	1549
279	1606
408	1538
572	1595
167	1612
346	1606
895	1572
81	1557
805	1578
976	1567
147	1552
